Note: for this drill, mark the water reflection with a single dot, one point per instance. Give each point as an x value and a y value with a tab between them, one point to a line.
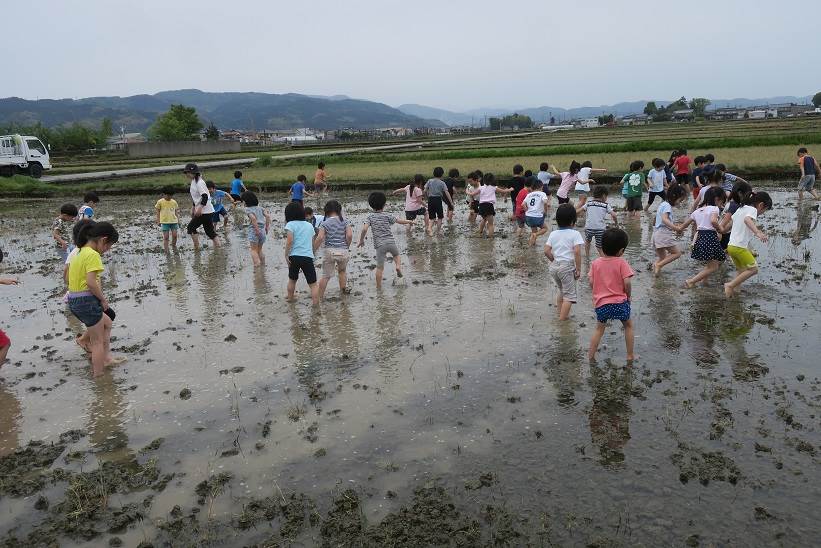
806	222
211	270
10	417
610	412
736	325
106	419
665	313
176	282
306	339
388	330
564	363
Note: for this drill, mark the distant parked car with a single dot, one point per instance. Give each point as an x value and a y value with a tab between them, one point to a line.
23	154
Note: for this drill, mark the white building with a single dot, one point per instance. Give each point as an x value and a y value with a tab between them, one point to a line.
589	122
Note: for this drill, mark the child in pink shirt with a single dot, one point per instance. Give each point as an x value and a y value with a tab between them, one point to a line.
569	179
610	280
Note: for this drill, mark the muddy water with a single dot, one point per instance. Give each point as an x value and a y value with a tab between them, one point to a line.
450	407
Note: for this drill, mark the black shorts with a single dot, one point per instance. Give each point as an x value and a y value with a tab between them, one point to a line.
411	215
563	200
652	197
305	264
683	179
236	197
487	209
633	203
435	210
474	206
206	222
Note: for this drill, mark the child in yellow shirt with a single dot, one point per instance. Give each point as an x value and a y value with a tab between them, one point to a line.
168	217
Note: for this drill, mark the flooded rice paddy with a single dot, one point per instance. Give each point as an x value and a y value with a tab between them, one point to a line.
451	408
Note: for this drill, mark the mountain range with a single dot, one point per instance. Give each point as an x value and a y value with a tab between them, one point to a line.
543	114
258	111
231	110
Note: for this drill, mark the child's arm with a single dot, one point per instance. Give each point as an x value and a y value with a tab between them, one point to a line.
320	237
158	215
95	289
449	197
581	208
504	190
548	252
599	169
665	219
801	166
615	219
8	281
230	199
348	235
757	231
362	234
685	224
577	255
628	288
289	243
400	190
726	222
715	223
404	221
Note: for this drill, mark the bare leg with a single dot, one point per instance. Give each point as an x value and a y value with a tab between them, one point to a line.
196	240
98	357
397	262
672	254
743	276
291	289
564	311
711	267
379	271
482	224
3	353
314	293
343	281
595	340
490	227
255	254
174	238
323	283
628	339
217	242
165	240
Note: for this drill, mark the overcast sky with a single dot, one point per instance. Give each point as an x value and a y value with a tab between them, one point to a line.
455	54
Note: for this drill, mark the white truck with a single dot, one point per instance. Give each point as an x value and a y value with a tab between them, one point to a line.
23	154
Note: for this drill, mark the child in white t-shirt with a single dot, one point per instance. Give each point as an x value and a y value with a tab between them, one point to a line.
744	228
564	250
535	204
584	181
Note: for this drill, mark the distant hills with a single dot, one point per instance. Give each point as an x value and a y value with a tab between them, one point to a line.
543	114
226	110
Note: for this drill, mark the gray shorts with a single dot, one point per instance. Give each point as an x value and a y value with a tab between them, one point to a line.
383	250
564	274
806	182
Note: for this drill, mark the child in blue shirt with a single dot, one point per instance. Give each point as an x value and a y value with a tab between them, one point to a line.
90	201
217	197
299	250
297	190
237	187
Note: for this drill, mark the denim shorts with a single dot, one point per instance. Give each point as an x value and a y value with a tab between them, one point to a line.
166	227
87	309
535	222
254	239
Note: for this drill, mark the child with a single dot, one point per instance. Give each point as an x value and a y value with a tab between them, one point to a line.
90	201
217	198
697	175
61	228
713	179
738	197
168	217
414	196
313	218
707	247
471	187
320	179
744	228
259	223
681	169
383	241
584	181
594	225
517	183
809	170
656	182
487	202
299	250
297	190
564	251
536	210
237	187
436	190
450	182
83	340
665	230
5	342
610	280
633	184
569	179
85	298
336	233
545	176
727	179
519	209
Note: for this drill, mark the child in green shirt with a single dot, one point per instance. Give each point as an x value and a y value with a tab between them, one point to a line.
633	184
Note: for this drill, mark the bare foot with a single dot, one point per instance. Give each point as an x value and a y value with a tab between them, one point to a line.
656	269
631	358
399	273
728	290
688	284
116	360
82	345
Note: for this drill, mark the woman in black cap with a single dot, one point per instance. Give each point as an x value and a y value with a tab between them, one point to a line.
202	210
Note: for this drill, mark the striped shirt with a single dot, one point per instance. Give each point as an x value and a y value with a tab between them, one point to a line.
380	224
335	232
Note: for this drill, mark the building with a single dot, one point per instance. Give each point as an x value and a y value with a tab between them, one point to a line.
726	114
634	120
684	115
589	123
121	141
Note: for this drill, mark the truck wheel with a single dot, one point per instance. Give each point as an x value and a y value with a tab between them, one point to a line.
36	170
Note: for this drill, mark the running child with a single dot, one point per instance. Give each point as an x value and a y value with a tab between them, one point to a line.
569	179
450	182
519	209
584	181
809	171
168	212
535	210
681	169
86	299
707	247
5	342
656	182
237	187
90	201
633	184
297	192
738	197
594	225
299	250
217	198
471	187
259	223
320	179
313	218
61	229
202	209
336	234
665	230
744	228
518	182
414	196
610	280
436	191
383	241
697	175
564	251
545	174
487	203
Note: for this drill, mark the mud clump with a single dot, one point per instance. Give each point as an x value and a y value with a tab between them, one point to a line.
344	524
212	487
23	472
704	466
185	394
293	514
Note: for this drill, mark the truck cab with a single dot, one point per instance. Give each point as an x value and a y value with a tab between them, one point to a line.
23	154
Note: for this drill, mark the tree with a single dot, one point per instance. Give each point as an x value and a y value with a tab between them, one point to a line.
494	123
552	120
650	109
606	119
106	130
212	133
180	123
816	100
699	105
